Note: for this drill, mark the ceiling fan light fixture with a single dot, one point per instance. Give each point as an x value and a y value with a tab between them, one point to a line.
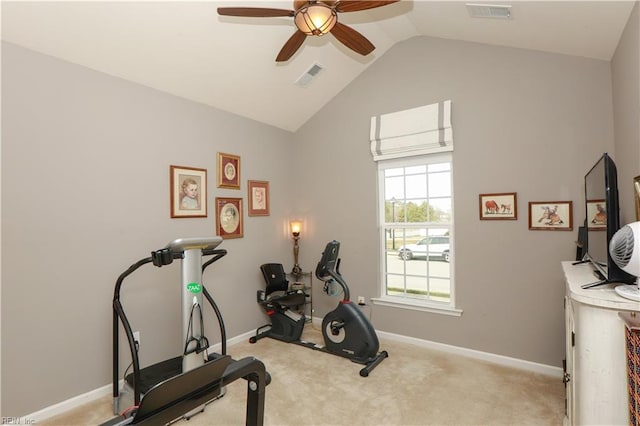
315	19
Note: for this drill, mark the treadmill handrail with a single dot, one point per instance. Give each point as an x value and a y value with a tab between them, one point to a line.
119	314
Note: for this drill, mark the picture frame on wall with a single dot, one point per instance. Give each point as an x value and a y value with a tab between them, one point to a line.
258	197
229	221
188	191
498	206
228	171
551	215
596	215
636	190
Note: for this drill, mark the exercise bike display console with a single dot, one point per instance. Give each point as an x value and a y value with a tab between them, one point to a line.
180	387
347	332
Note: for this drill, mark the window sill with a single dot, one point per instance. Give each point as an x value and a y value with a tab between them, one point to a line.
416	306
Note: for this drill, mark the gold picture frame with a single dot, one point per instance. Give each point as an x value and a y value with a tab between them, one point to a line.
228	171
229	218
188	192
258	197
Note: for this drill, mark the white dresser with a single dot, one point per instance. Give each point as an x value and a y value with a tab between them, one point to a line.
595	348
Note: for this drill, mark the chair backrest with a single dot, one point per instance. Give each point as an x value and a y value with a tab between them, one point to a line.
275	277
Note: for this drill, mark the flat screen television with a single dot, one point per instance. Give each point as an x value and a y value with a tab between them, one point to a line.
602	221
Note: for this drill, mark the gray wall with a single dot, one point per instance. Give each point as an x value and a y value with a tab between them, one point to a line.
85	187
85	174
625	70
523	121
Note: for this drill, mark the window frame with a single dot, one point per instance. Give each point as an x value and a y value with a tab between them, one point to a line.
447	308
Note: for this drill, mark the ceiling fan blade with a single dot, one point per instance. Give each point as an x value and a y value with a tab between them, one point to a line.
354	6
291	46
254	12
352	39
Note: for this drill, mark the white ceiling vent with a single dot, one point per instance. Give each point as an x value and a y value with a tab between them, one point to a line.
309	75
498	11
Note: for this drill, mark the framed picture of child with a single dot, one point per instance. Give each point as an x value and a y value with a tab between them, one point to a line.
229	217
228	171
188	192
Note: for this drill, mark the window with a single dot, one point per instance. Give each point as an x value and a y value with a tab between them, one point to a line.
416	223
413	149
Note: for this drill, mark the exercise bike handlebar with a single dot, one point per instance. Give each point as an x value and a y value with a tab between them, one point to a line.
329	267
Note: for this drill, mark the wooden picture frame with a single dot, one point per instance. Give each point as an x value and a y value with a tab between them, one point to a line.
636	189
229	219
228	171
258	197
498	206
551	215
596	215
188	191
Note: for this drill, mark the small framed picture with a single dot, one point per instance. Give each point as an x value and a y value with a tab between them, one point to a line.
502	206
551	215
258	195
596	215
229	217
636	190
188	192
228	171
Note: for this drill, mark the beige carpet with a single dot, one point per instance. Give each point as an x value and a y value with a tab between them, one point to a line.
414	386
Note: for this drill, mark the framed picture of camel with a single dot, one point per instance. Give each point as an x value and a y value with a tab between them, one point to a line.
550	215
596	215
502	206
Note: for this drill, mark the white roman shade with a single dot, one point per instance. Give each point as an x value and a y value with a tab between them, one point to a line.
417	131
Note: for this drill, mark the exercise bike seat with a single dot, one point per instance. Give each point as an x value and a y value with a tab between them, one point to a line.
277	289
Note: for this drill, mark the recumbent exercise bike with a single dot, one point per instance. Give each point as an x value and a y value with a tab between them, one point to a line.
346	330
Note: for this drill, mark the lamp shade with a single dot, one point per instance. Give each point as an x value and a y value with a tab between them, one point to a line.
295	226
315	19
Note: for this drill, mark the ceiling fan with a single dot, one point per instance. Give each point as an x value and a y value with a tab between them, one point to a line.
314	17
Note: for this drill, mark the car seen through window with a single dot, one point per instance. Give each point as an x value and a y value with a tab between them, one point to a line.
431	248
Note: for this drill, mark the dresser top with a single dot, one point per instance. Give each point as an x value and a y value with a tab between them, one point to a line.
603	296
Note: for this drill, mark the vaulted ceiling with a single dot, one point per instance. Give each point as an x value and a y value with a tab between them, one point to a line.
187	49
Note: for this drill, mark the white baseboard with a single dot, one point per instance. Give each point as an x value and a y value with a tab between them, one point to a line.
69	404
506	361
75	402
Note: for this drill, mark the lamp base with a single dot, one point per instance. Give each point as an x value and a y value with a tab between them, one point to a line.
297	270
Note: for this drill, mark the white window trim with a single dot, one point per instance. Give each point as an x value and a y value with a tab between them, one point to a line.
449	308
417	305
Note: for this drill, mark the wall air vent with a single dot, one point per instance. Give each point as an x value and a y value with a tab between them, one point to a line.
498	11
310	74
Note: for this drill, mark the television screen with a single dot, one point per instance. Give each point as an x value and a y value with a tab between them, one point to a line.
602	220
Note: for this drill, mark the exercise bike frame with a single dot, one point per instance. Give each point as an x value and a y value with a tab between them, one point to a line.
333	322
